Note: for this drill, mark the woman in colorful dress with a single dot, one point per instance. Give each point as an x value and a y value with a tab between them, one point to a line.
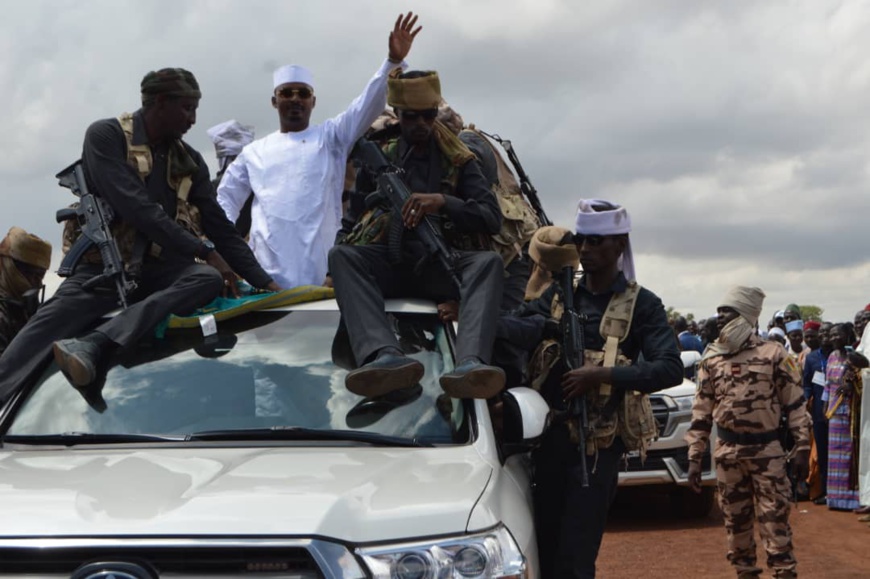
843	394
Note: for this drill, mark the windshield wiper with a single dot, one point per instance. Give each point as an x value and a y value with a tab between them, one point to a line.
77	438
299	433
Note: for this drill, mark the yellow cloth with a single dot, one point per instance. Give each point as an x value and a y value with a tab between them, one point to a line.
415	94
454	149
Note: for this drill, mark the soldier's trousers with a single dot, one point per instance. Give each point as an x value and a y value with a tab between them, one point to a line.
751	488
364	277
166	287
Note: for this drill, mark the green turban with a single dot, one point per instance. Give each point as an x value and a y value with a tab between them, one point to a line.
173	82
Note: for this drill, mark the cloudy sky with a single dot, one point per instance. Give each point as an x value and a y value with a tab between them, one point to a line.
736	133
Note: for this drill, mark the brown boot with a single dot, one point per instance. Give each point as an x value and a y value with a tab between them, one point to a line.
785	574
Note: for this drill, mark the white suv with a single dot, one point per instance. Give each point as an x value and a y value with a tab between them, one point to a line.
243	454
667	460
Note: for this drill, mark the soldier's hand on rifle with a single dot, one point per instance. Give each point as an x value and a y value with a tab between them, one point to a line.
695	476
214	259
402	36
448	311
419	205
800	465
581	380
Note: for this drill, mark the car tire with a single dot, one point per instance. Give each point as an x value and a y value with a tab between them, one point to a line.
688	504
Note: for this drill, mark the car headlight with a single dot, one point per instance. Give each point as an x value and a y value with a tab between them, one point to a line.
684	403
492	553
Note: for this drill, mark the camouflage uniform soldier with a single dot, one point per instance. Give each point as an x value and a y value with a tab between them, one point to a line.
746	385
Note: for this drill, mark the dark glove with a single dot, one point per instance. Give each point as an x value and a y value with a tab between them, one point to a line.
800	465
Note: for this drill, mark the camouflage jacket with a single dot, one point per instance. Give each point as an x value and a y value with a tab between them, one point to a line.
747	392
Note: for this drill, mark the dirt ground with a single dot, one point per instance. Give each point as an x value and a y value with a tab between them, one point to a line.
645	540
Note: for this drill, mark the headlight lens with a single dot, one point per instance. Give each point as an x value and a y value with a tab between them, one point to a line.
490	554
684	403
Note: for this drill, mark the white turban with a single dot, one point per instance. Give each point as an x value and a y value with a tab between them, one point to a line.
230	137
292	73
598	217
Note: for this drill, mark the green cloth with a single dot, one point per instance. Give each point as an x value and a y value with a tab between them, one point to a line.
225	308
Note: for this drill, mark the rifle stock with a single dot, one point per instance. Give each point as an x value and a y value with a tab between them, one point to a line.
573	356
94	216
393	189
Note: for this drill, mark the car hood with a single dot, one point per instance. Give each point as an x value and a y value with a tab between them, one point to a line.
350	493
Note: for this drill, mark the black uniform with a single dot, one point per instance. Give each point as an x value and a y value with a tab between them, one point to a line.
570	520
364	275
170	284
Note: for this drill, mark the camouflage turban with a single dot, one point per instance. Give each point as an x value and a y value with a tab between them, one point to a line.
550	256
173	82
414	94
26	247
746	301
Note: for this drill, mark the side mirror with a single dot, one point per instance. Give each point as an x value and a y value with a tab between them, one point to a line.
526	416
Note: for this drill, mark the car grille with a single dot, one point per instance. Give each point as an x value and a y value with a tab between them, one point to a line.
167	558
661	413
655	460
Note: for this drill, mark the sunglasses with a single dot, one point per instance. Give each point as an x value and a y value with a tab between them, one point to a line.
429	115
591	240
289	92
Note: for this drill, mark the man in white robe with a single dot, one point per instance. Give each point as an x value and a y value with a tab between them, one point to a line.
297	173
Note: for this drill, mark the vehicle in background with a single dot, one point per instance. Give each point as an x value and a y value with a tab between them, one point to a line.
667	459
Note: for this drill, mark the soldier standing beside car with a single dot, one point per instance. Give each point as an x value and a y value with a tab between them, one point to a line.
745	385
630	352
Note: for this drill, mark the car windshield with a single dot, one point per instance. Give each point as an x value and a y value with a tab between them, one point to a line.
269	370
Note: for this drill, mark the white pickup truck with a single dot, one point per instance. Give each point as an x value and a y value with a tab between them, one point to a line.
243	455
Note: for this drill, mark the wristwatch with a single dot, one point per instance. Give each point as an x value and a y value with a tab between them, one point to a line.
205	248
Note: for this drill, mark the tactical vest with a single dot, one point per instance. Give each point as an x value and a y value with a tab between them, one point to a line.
140	159
374	224
633	419
519	221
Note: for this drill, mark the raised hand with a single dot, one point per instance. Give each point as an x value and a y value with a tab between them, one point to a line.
402	36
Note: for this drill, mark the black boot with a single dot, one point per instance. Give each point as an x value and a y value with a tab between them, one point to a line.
80	359
390	371
473	379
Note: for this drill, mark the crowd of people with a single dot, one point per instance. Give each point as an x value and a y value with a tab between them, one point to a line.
286	210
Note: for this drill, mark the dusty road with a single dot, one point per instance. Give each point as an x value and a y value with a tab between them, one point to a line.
644	540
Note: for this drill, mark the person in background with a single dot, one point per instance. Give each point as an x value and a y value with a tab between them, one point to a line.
791	313
24	259
794	333
776	334
843	396
816	335
229	138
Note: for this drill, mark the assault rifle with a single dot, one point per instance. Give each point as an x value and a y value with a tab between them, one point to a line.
94	216
572	354
529	191
392	189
